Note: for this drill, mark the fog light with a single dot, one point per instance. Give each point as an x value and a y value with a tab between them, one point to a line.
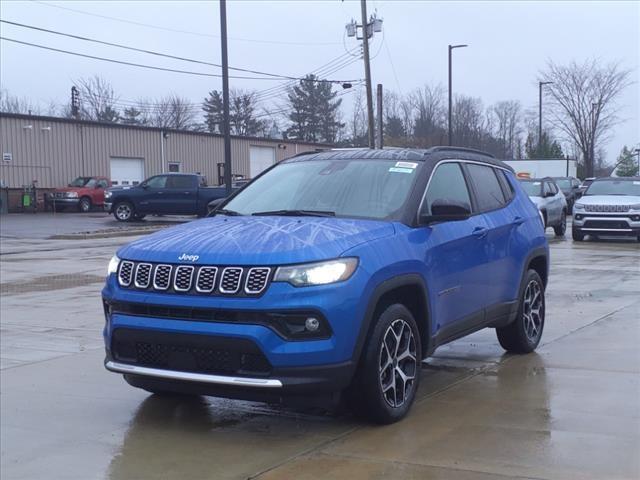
312	324
578	217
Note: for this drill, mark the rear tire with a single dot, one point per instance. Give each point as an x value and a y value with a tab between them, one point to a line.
524	333
577	235
388	375
560	230
123	211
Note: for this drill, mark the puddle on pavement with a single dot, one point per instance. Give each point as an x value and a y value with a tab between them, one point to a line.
50	282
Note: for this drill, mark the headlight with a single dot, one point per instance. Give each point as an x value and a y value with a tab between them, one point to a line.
320	273
113	265
108	194
71	194
578	206
635	207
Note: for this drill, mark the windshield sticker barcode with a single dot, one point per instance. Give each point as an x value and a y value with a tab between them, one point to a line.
401	170
406	164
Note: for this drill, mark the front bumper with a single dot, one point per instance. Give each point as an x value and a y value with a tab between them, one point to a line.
606	224
65	202
107	206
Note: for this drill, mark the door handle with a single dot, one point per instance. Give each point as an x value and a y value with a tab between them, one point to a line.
480	232
518	221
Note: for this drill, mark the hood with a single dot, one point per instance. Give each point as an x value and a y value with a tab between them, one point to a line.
609	200
537	201
256	240
72	189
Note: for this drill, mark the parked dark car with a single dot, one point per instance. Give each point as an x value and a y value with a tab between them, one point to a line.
570	186
82	194
166	194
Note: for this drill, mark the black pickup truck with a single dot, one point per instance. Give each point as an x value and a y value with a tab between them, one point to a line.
166	194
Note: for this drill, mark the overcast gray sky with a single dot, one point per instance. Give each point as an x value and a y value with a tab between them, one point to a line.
509	42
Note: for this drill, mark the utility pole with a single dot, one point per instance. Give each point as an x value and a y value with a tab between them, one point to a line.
367	69
380	120
368	27
540	85
451	47
75	102
592	164
225	97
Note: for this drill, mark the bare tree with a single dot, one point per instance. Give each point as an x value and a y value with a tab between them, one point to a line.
505	123
12	104
428	118
174	112
584	102
468	122
97	100
357	122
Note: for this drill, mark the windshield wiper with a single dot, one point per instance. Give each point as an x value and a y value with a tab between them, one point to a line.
224	211
297	213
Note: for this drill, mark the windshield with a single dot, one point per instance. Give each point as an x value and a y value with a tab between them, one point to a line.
83	182
614	187
533	189
563	183
346	188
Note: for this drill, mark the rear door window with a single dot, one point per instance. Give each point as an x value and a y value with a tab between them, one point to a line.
489	193
180	181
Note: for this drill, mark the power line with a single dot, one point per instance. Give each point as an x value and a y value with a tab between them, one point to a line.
151	67
131	64
168	29
150	52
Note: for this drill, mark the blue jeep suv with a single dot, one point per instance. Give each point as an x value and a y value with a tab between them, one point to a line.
331	272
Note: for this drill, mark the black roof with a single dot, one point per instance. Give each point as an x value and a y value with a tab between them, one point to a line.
401	154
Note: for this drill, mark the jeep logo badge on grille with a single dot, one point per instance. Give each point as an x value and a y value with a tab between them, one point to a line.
189	258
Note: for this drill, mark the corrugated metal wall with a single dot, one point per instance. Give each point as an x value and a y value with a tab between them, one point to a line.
55	151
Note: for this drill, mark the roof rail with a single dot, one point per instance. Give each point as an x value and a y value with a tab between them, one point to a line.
461	149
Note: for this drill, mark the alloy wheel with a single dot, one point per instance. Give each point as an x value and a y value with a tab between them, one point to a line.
123	211
398	365
532	310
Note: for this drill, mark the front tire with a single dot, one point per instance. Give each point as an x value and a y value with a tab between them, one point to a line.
524	333
123	211
560	229
84	206
577	235
388	376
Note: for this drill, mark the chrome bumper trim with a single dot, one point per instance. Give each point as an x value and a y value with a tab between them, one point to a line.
193	377
607	229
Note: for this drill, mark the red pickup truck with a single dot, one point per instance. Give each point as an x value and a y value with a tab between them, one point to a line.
82	194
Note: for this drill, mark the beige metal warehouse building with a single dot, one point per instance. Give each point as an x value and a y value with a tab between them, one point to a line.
54	151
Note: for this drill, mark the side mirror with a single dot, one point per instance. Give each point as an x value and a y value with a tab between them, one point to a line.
144	185
446	210
213	205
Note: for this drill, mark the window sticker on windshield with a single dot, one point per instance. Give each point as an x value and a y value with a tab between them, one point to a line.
401	170
536	183
406	164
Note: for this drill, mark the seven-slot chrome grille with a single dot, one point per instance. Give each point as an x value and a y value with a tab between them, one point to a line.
247	281
607	208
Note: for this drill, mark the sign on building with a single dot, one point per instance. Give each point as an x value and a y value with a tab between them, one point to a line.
7	157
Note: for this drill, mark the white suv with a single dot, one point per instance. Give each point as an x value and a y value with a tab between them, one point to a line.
610	206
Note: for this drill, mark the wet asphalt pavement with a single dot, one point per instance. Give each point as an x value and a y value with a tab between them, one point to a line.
569	411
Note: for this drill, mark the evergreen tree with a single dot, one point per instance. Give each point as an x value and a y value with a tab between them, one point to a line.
544	149
627	163
394	128
314	112
132	116
242	117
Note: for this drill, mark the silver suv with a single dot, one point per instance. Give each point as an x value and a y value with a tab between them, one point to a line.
610	206
550	201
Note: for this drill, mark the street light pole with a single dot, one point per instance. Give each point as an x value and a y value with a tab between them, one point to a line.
540	84
225	98
451	47
592	164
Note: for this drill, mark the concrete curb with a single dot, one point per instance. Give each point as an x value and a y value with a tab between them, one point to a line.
108	234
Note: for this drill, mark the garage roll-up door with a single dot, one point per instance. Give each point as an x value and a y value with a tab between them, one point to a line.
260	158
127	171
